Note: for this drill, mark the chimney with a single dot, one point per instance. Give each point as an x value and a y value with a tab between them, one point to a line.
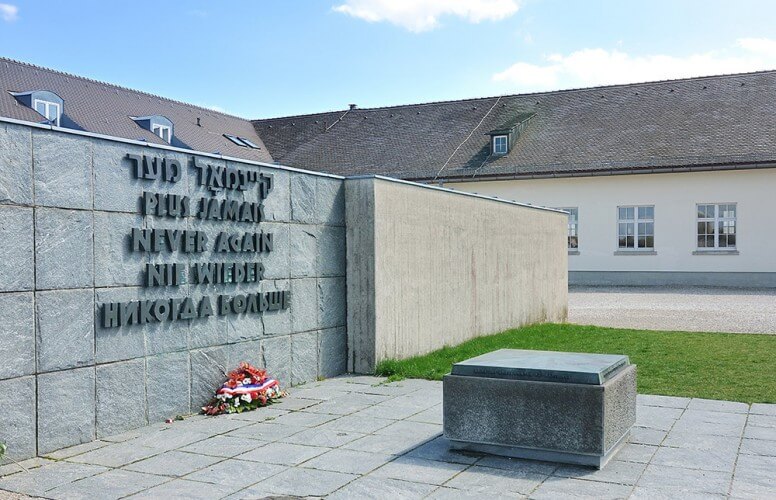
353	106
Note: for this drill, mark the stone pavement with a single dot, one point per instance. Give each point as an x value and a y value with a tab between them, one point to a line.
695	309
358	437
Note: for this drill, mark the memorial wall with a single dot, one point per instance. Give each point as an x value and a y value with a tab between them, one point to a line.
132	277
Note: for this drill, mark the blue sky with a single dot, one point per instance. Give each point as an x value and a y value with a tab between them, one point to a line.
260	59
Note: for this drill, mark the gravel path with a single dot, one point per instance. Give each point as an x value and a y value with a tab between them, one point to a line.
666	308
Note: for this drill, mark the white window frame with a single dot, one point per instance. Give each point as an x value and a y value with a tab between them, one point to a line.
160	133
506	144
716	220
47	105
635	224
573	211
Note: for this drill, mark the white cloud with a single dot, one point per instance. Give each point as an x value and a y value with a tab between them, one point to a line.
8	12
598	66
423	15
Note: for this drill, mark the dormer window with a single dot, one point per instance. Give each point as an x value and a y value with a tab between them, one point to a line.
500	144
242	141
48	104
159	125
163	131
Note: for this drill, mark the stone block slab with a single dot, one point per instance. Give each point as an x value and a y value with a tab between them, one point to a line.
116	344
65	329
208	372
63	249
17	265
15	164
66	409
304	357
332	302
17	335
17	398
303	198
277	206
304	312
303	250
63	170
168	386
121	399
332	352
114	262
277	358
330	201
331	251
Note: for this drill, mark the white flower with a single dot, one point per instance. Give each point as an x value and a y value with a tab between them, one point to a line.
247	381
246	398
237	401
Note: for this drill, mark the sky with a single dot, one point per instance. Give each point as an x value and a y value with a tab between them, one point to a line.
263	58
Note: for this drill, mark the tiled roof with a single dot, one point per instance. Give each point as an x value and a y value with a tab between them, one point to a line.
107	109
718	120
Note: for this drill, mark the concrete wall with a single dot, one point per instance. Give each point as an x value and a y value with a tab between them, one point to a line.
68	201
675	196
428	268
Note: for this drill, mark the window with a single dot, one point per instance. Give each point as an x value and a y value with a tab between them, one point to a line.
636	228
162	131
499	145
242	141
573	235
717	226
50	110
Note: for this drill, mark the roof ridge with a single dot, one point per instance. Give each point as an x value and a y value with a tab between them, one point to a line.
529	94
121	87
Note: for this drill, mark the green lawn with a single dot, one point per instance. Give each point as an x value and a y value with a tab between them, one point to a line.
736	367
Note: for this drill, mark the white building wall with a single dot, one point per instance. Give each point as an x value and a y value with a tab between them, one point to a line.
674	197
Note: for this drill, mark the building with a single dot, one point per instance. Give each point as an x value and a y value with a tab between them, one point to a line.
665	182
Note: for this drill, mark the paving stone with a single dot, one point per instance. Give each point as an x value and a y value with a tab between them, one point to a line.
165	371
209	425
614	472
664	401
303	250
62	170
173	463
746	490
38	481
8	468
184	490
640	453
388	445
758	447
756	470
555	488
17	264
644	493
17	335
332	302
303	418
223	446
66	402
369	487
234	473
332	352
763	409
714	405
709	422
267	431
654	417
765	433
345	404
260	415
712	460
17	398
762	421
517	464
65	329
63	249
681	480
169	439
439	449
699	441
15	165
387	411
419	430
349	461
121	399
294	403
304	357
135	433
487	480
431	416
108	485
331	251
445	493
355	423
419	470
115	455
320	437
299	483
78	449
283	453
